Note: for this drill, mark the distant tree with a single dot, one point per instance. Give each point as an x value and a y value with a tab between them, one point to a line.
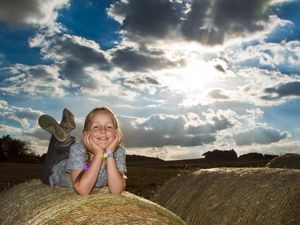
217	154
252	156
14	150
269	157
257	156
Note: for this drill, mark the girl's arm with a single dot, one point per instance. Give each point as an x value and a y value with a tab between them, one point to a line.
84	181
115	179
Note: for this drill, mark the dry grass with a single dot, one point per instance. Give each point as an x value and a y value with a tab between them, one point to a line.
35	203
227	196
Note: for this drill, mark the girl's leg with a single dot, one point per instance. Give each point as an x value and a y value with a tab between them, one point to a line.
57	151
60	141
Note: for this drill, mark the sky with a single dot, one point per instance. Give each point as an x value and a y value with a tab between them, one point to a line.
183	76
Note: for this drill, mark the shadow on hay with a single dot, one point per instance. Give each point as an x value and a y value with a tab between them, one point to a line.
35	203
234	196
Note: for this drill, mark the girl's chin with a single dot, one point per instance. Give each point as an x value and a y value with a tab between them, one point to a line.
103	145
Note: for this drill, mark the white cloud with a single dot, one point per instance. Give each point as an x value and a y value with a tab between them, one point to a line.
6	129
34	80
284	56
23	116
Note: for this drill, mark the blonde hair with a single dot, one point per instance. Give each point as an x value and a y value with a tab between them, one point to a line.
89	118
88	124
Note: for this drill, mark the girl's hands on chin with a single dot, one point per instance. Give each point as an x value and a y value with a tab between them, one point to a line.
115	142
90	144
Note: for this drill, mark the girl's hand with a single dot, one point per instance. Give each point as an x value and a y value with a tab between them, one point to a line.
90	144
116	142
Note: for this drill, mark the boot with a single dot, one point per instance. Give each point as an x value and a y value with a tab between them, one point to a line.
49	124
67	121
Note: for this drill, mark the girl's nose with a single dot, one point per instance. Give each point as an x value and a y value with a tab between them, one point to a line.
102	129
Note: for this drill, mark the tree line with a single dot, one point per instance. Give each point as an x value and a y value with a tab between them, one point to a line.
231	155
14	150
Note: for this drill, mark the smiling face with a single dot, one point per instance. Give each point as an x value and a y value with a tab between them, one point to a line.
102	129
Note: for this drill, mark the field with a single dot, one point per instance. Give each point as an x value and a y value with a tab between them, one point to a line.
144	177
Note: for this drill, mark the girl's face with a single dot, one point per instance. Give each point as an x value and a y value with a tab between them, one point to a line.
102	129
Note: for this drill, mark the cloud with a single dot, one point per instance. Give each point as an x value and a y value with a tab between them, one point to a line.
283	90
23	116
159	130
146	19
9	129
211	22
131	60
204	21
71	51
259	135
283	57
34	80
217	94
30	12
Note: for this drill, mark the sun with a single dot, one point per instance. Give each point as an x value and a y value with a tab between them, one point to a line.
195	77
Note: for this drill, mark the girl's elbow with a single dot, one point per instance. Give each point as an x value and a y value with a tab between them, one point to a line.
117	191
81	191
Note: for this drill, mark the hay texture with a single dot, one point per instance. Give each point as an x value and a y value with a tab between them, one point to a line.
289	160
229	196
35	203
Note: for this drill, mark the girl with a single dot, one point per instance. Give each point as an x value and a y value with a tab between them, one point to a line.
98	160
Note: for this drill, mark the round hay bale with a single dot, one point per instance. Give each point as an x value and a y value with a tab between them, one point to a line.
35	203
289	160
244	196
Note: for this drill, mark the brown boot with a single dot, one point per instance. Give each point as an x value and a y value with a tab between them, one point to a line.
49	124
67	121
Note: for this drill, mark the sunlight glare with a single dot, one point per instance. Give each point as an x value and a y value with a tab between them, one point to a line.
194	77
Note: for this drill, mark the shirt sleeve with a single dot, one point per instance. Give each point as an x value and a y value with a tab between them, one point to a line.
76	157
121	159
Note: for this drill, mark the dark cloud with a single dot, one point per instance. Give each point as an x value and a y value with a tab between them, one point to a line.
284	90
220	68
217	94
162	130
259	135
27	12
72	55
138	81
144	18
205	21
131	60
216	123
210	21
78	51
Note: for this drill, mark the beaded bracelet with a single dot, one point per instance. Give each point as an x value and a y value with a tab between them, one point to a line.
108	154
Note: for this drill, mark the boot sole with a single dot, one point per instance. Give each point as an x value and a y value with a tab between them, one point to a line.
50	124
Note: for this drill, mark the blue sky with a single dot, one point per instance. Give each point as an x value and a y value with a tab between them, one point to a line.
183	76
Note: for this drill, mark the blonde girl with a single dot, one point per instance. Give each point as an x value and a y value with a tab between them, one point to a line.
97	160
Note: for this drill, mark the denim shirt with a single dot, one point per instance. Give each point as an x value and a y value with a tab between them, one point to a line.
61	171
